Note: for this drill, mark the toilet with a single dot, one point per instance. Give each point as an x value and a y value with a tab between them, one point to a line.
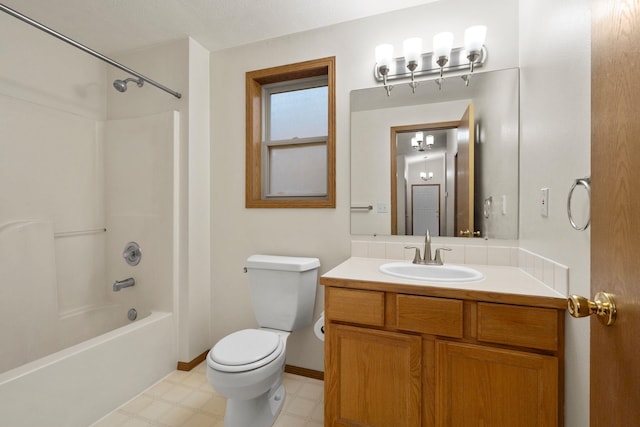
247	366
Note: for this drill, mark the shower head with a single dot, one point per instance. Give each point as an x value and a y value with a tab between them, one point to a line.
121	85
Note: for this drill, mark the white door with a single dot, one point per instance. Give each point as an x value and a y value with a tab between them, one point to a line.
425	202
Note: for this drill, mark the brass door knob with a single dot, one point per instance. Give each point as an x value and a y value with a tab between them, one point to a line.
602	306
464	233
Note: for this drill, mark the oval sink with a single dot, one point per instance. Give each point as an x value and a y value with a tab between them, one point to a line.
431	273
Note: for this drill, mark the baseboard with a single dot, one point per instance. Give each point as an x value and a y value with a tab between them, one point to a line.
304	372
296	370
187	366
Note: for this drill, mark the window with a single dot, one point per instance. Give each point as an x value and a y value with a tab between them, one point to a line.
290	146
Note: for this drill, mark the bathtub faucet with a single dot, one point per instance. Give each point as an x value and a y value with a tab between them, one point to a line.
126	283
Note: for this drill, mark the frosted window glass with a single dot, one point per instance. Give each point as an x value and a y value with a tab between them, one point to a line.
298	170
299	114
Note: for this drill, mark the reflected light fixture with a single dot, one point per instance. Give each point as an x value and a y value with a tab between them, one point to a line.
429	141
426	177
419	143
443	59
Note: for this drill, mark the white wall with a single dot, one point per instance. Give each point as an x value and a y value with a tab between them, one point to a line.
325	233
549	40
554	150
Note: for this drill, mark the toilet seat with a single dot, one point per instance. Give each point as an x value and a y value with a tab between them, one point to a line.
245	350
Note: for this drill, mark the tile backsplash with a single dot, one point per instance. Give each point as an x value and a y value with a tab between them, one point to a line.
549	272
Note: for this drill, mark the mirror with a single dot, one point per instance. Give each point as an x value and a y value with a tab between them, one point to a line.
467	188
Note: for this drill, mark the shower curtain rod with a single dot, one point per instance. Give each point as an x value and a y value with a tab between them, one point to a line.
88	50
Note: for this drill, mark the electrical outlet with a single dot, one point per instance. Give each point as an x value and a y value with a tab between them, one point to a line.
544	202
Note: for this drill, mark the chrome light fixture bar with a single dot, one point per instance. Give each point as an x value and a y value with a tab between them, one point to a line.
458	61
443	58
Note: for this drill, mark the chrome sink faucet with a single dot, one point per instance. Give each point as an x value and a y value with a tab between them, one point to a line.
426	258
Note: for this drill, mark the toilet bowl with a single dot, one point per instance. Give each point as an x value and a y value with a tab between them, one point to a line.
247	366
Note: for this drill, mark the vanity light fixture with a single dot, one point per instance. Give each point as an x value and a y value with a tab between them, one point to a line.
442	44
384	58
412	48
473	44
444	58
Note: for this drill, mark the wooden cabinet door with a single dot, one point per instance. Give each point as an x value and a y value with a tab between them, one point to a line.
372	378
491	387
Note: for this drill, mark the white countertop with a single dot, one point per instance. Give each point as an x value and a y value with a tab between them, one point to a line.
497	279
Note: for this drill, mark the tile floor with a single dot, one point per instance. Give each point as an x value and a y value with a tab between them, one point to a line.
185	399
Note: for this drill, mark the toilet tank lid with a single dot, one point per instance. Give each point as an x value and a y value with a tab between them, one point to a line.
285	263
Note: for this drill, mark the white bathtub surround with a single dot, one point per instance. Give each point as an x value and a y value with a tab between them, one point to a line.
28	293
480	252
80	384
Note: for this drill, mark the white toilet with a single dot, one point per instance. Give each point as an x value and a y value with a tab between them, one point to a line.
247	366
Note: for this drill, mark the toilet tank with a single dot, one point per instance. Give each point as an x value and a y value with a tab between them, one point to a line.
283	290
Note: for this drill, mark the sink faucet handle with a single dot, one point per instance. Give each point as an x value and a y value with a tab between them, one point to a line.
416	257
438	257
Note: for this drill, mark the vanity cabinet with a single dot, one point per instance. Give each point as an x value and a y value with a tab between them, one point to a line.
408	356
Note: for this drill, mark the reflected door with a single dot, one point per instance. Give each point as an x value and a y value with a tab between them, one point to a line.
425	209
464	175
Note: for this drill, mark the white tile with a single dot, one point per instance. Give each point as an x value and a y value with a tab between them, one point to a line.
475	255
561	279
312	391
538	267
358	248
548	272
394	250
376	250
286	420
455	255
155	410
300	406
499	255
515	254
137	404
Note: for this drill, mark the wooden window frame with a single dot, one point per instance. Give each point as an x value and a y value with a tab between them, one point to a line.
253	168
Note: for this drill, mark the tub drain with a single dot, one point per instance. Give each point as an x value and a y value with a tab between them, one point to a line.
133	314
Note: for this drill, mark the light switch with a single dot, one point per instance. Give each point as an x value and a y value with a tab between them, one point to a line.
544	202
382	208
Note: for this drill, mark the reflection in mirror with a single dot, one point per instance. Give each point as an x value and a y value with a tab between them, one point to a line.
464	184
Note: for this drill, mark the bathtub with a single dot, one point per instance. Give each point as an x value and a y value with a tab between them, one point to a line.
80	384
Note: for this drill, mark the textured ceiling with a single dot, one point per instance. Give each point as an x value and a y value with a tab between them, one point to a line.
111	26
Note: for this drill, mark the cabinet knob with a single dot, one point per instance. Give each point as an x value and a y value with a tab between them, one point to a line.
603	306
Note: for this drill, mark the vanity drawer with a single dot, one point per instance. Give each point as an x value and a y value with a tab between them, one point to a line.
427	315
355	306
516	325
